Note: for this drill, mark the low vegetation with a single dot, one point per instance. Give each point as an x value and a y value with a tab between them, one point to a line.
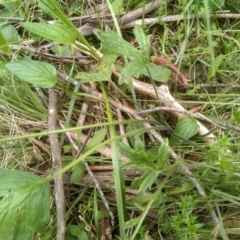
119	120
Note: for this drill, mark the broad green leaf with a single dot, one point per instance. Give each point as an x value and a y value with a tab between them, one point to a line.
139	159
62	51
235	116
25	209
78	172
10	180
3	70
233	5
186	128
57	33
107	62
133	68
40	74
215	65
104	69
10	33
117	7
158	73
162	155
148	182
138	144
142	39
115	43
4	13
92	77
3	44
96	139
216	4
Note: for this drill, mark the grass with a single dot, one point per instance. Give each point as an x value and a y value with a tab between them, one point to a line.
142	176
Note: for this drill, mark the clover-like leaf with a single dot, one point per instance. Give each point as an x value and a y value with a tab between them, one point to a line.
186	128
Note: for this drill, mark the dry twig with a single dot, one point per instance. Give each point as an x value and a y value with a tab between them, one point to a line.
57	166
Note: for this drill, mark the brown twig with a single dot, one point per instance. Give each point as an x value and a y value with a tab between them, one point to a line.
57	166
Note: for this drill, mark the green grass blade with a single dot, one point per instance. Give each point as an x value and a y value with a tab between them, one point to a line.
118	173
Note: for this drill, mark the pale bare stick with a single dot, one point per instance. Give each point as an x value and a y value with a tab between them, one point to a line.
57	166
82	116
176	18
121	127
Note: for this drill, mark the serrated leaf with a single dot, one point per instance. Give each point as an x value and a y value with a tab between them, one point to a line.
133	68
142	39
215	65
3	44
78	172
57	33
92	77
104	69
158	73
19	216
96	139
115	43
186	128
38	73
